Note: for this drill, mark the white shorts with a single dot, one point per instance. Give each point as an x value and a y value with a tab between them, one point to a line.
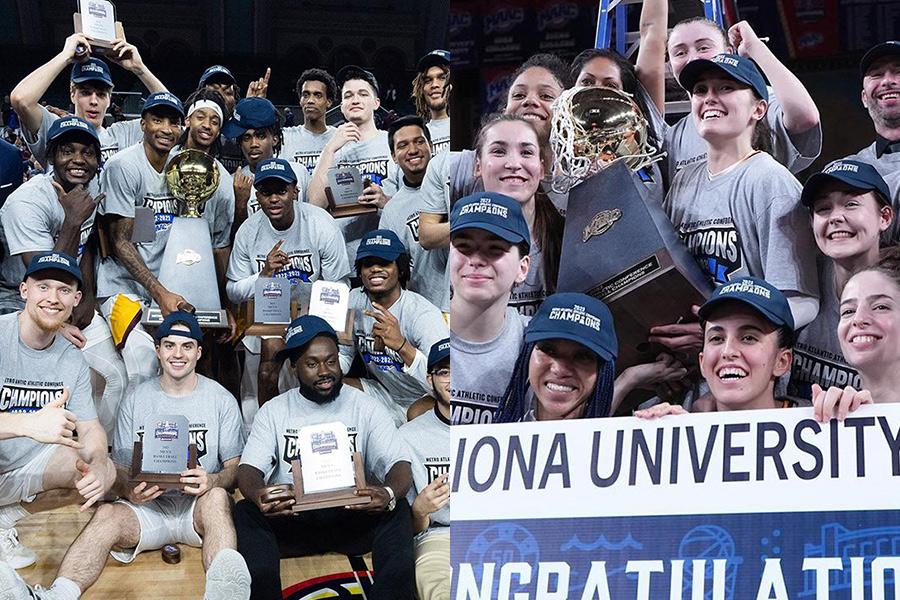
26	482
167	520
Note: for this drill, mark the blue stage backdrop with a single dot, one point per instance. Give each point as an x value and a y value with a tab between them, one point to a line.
731	506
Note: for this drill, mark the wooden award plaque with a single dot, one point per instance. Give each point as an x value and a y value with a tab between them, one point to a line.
336	498
165	481
247	325
98	46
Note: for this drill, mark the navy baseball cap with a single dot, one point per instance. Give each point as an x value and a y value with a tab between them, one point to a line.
354	72
434	58
858	175
93	69
439	352
300	332
380	243
736	67
250	113
56	261
179	317
888	48
578	318
216	72
276	168
164	99
756	293
495	213
72	125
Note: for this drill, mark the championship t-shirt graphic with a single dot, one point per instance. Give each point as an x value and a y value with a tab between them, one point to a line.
22	396
716	245
299	268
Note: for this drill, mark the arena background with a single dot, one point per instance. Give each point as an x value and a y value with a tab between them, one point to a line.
820	40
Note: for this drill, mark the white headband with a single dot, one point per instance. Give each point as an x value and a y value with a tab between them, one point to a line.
205	104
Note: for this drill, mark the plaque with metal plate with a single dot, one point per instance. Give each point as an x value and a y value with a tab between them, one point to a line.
163	452
272	301
331	301
327	472
345	184
187	266
620	247
96	19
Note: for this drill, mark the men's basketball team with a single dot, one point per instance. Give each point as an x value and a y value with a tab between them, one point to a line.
81	373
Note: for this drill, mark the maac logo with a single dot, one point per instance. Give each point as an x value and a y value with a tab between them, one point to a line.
503	20
601	223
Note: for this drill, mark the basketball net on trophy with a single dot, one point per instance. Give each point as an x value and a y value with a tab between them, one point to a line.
591	129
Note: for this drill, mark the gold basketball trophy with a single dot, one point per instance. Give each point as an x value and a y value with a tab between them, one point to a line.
619	245
187	266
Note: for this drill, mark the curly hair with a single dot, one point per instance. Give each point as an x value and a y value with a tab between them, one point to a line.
418	93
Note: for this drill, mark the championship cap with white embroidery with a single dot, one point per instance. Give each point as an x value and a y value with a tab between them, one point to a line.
250	113
216	73
72	125
380	243
858	175
163	99
440	351
53	260
495	213
735	67
756	293
300	332
435	58
274	168
93	69
578	318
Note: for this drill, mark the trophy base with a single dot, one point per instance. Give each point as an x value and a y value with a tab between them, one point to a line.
337	498
164	481
208	319
352	210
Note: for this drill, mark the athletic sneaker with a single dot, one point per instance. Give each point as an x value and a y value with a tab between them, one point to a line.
12	552
227	577
13	588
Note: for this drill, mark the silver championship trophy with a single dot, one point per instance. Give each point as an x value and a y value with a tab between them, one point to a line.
187	265
619	245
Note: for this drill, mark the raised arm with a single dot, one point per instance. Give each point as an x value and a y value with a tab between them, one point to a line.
800	111
651	58
26	96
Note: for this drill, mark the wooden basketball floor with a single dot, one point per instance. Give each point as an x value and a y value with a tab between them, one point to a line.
49	535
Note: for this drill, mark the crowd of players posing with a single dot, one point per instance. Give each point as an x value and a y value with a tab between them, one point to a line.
79	371
806	308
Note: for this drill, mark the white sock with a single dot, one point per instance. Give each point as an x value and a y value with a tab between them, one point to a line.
68	587
11	514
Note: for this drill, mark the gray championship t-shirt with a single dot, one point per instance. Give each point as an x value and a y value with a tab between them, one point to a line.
747	220
129	181
817	353
33	378
428	439
313	243
794	151
272	444
888	166
440	135
117	136
421	323
373	160
302	185
429	276
32	218
482	370
303	146
214	421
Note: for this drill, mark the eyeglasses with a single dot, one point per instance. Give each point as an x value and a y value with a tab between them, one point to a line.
443	373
